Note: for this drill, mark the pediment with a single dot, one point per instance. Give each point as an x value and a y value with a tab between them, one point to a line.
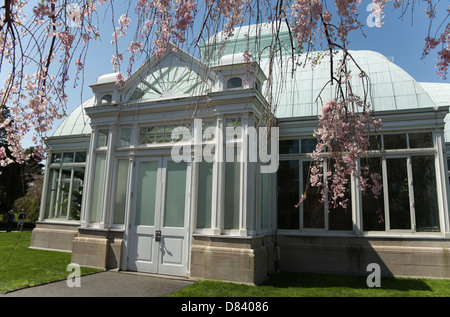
175	74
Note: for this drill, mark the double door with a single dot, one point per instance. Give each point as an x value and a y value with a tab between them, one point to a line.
158	232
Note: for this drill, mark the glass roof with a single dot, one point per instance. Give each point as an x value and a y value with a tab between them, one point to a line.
392	88
77	122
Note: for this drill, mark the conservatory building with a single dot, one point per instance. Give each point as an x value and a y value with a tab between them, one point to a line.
183	170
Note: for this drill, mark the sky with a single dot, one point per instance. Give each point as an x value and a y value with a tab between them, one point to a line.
399	39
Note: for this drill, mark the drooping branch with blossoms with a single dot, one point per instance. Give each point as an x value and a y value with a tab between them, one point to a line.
44	47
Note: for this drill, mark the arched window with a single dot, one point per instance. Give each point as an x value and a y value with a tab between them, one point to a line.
235	82
106	99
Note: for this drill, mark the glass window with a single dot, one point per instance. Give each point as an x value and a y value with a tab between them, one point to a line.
65	193
56	157
313	208
102	137
289	146
97	192
80	157
375	142
121	192
373	207
125	137
235	82
265	200
208	130
51	194
68	157
399	212
146	135
233	129
174	206
76	193
146	193
394	141
425	193
204	198
340	218
420	140
232	192
308	145
288	194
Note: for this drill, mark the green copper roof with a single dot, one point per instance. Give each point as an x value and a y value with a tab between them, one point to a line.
294	94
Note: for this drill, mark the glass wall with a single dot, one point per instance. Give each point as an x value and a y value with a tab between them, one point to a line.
65	186
407	201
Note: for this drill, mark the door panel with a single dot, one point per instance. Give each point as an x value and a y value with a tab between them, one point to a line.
142	254
160	205
173	243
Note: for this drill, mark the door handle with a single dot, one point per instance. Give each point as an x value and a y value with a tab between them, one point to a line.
158	235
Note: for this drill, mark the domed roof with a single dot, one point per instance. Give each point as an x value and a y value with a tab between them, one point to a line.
391	87
77	122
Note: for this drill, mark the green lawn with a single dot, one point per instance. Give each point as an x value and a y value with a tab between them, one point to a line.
320	285
22	267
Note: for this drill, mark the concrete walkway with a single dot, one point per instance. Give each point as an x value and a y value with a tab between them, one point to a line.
107	284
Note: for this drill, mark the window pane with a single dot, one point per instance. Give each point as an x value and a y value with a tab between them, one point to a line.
425	194
340	218
146	135
289	146
265	199
373	207
308	145
97	192
233	129
80	157
76	193
125	137
175	194
146	193
204	198
288	195
56	157
394	141
121	192
232	192
102	137
64	192
235	82
375	142
51	194
420	140
313	208
68	157
399	214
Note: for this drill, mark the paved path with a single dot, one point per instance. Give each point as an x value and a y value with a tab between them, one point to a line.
107	284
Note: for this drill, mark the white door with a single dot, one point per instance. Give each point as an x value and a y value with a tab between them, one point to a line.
158	237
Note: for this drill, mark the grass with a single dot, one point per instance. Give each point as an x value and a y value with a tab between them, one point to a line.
320	285
22	267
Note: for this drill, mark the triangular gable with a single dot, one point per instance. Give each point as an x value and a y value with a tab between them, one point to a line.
175	74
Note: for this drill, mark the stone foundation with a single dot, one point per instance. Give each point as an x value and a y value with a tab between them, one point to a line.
53	236
338	255
233	259
98	248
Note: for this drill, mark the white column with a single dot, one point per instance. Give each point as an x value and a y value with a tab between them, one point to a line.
217	217
45	187
107	203
90	172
